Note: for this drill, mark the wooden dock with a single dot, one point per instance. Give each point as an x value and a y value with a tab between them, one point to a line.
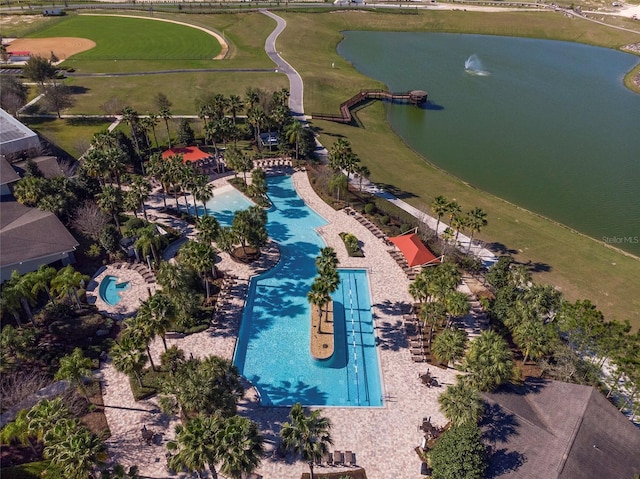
414	97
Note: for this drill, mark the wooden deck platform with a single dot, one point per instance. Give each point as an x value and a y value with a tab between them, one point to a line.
415	97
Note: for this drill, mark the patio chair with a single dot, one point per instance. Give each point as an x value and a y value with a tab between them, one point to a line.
349	458
338	458
330	459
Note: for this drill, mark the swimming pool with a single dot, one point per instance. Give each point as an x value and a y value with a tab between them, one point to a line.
272	350
225	202
110	289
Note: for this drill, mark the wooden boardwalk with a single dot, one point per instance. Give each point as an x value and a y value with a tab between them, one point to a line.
415	97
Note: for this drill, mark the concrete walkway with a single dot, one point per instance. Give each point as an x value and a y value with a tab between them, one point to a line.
383	438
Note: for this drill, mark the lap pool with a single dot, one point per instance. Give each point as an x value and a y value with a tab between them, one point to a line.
272	350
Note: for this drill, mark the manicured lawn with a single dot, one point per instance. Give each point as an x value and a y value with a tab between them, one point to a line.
182	89
71	135
134	39
581	267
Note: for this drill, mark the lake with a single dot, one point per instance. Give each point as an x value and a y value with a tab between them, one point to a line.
547	125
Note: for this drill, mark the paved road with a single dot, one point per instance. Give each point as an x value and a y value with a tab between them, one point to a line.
296	87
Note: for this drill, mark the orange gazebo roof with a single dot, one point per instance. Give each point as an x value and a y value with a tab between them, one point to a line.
415	252
189	153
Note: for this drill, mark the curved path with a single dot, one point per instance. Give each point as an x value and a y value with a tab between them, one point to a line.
296	87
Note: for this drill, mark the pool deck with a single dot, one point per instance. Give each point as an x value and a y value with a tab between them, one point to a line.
138	291
383	438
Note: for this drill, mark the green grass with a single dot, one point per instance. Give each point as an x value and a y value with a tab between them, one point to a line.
134	39
579	266
181	89
31	470
71	135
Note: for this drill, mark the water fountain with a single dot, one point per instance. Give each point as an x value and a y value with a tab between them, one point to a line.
474	66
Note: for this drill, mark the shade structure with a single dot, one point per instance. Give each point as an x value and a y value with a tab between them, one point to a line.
414	251
189	153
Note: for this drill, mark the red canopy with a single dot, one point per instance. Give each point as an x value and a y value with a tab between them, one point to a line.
413	250
189	153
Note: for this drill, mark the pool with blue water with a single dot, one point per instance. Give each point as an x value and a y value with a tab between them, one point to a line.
110	289
225	202
272	350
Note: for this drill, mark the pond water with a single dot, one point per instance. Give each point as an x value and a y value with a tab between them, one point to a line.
544	124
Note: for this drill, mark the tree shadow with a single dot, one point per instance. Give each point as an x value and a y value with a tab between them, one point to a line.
500	248
395	191
502	461
78	90
497	424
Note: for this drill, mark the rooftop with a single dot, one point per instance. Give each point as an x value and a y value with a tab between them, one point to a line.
14	136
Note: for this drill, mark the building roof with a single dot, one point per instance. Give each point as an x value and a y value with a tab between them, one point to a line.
555	430
27	234
415	252
48	166
7	173
14	136
189	153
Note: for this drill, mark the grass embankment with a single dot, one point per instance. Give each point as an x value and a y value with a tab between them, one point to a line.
579	266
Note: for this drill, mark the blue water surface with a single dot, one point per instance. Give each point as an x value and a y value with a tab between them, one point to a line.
224	205
110	289
274	339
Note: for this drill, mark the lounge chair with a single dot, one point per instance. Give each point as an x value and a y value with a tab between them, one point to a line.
349	458
338	458
330	459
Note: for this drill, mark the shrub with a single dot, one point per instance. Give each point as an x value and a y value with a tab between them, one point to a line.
369	208
385	220
94	251
404	227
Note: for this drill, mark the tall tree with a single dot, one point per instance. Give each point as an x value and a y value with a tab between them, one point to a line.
476	220
69	281
461	404
309	437
157	311
489	361
58	97
75	368
196	446
240	447
76	453
39	70
150	241
128	357
449	345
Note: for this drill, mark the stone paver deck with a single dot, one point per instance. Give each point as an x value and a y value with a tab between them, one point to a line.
383	438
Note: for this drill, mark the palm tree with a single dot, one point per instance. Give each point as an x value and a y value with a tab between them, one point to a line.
165	114
18	290
75	368
196	445
234	106
139	192
318	295
200	257
151	121
294	133
150	241
110	201
306	436
240	446
202	191
77	453
476	220
461	404
157	311
447	236
534	338
456	305
362	172
208	229
41	279
489	361
439	207
338	183
131	118
158	167
128	357
16	343
141	331
449	345
68	280
172	277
